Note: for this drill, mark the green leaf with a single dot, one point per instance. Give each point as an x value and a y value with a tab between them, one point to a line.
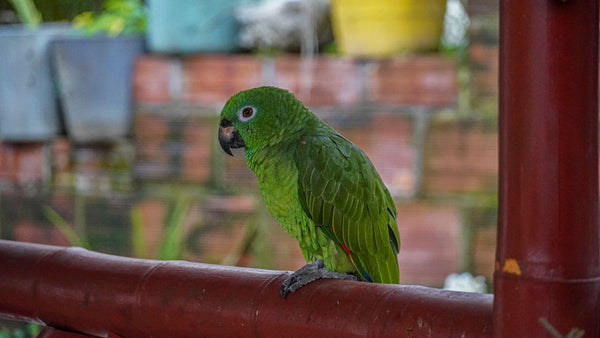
138	236
27	12
172	247
120	17
60	223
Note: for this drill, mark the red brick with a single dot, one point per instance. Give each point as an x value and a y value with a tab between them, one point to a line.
321	81
61	148
153	215
430	246
153	160
204	79
392	152
152	79
61	162
246	72
24	163
212	79
387	141
417	80
461	159
150	127
484	252
174	147
230	204
198	141
484	66
237	174
153	149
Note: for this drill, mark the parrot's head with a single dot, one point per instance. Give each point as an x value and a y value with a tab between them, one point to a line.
259	117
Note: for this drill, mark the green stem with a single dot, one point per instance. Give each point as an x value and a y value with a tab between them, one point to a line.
59	222
27	12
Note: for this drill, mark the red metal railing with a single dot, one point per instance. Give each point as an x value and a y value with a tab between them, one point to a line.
547	258
98	294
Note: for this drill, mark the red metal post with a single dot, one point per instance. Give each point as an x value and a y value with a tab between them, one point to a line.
100	295
547	262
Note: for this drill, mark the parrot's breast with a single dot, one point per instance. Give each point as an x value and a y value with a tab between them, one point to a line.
278	182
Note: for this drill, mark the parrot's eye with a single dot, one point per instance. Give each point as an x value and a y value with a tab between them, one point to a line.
246	113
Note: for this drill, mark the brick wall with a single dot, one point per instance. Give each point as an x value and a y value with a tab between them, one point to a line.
403	112
209	80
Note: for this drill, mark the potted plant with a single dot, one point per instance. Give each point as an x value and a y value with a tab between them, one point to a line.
28	109
191	26
388	27
94	71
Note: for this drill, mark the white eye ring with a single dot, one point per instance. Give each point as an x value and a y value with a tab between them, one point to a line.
246	113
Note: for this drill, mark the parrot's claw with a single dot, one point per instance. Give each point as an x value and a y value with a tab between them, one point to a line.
309	273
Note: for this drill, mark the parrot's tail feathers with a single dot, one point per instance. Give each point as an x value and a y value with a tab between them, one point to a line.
380	271
361	269
366	276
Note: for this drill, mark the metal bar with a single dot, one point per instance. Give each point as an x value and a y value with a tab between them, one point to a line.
547	256
96	294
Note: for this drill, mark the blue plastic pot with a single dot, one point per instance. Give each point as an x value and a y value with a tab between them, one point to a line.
190	26
28	105
94	80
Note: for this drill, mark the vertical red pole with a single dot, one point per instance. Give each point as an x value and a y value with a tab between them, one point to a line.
547	256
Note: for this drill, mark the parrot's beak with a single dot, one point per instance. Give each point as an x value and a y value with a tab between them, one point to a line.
229	137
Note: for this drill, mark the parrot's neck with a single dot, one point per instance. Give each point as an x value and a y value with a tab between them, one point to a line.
277	176
283	143
271	157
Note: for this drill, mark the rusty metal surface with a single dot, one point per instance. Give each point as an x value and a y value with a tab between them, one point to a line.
547	257
100	294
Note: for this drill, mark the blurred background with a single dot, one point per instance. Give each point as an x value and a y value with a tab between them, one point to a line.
109	119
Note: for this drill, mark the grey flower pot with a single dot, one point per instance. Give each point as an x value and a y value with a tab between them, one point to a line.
28	105
94	80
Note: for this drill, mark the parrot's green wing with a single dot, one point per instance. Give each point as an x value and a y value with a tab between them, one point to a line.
342	193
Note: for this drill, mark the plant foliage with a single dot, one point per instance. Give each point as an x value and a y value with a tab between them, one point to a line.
120	17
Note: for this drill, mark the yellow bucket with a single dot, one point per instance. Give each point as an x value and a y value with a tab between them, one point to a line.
383	28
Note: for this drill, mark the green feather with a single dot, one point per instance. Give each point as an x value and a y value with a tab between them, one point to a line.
322	188
359	216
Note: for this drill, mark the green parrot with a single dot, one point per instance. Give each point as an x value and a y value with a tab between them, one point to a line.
323	189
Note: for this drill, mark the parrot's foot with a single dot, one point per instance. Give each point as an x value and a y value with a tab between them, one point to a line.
309	273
